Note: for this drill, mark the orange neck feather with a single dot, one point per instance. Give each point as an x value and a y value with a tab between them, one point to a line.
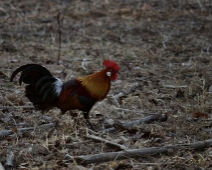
97	85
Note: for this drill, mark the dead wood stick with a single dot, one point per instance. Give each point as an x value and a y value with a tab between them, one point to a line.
173	86
145	120
124	93
1	166
157	163
5	133
132	153
99	139
10	158
23	107
74	144
59	33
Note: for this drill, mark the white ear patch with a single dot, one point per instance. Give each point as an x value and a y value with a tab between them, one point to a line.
108	73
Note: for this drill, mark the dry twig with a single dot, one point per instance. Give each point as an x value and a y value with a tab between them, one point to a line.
99	139
12	107
124	93
59	33
10	158
5	133
1	166
147	119
132	153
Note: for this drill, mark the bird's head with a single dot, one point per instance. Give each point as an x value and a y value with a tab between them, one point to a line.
112	69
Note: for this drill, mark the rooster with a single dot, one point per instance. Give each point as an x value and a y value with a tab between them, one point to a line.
46	91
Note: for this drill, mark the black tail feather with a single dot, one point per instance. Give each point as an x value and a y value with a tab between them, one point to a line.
42	81
30	73
31	95
41	85
47	85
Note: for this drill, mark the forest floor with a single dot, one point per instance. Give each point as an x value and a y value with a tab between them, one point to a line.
164	52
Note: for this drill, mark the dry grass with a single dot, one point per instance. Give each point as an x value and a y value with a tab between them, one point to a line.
164	52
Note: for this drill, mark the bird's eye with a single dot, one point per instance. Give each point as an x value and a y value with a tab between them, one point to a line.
108	73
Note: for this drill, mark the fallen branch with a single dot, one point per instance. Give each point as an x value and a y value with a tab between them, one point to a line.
59	33
5	133
23	107
74	144
132	153
174	87
1	166
157	163
99	139
124	93
10	158
145	120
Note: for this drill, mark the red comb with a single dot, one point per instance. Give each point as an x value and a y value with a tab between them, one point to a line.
109	63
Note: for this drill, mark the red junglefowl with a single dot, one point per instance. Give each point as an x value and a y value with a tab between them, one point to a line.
46	91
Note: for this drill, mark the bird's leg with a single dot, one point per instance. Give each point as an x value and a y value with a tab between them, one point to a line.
58	118
74	116
86	111
88	123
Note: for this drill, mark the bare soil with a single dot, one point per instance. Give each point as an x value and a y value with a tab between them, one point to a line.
163	49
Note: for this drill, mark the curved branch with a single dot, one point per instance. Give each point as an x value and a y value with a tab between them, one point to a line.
132	153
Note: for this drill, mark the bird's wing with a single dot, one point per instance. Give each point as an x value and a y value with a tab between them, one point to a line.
74	96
